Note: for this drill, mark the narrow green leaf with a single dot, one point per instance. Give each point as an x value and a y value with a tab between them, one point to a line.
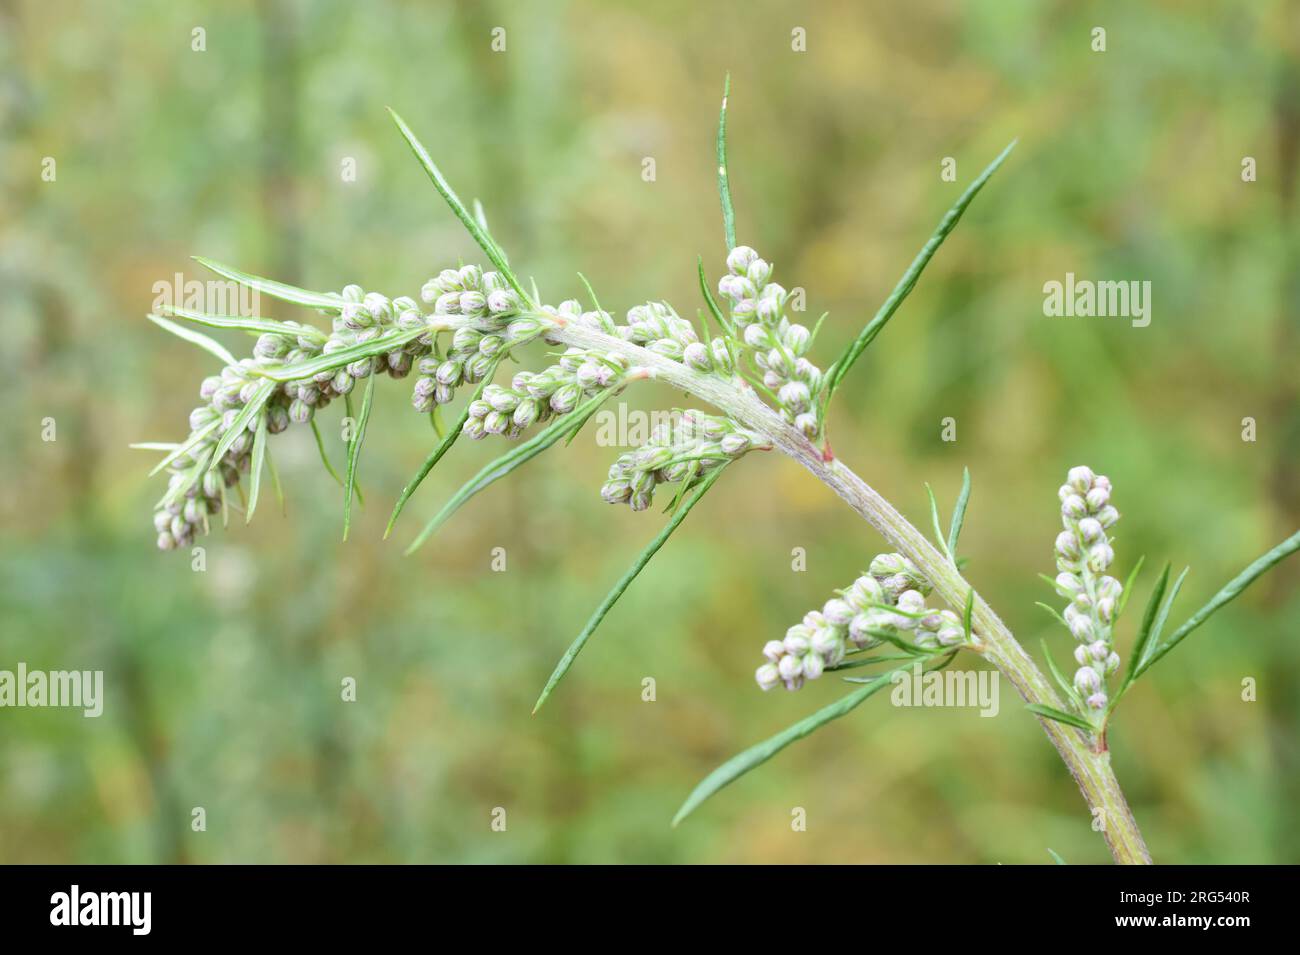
1230	591
591	292
1056	857
324	455
943	662
252	324
1159	626
475	229
154	446
756	755
185	446
354	451
507	462
909	279
1128	585
709	300
337	359
969	613
724	180
449	438
934	521
255	468
1144	631
1054	612
870	661
246	414
623	583
1066	687
1069	719
195	338
959	513
275	481
287	293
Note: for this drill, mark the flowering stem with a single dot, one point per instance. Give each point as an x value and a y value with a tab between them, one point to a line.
1090	767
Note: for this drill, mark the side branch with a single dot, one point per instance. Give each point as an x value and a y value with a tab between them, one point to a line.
1091	770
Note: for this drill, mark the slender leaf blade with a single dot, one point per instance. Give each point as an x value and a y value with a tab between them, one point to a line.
246	414
209	345
959	513
354	450
935	525
324	455
1144	631
192	441
286	293
758	754
252	324
1128	585
1229	592
475	229
255	467
709	300
449	438
500	467
1060	716
622	585
724	179
337	359
909	279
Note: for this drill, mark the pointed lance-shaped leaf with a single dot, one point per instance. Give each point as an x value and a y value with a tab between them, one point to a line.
354	450
472	225
908	281
209	345
623	583
756	755
724	179
288	293
1230	590
512	459
449	438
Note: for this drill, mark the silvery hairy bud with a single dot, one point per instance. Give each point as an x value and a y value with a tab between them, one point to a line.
722	356
696	354
1080	479
768	676
797	338
1086	680
1068	585
270	346
740	258
886	565
1074	507
838	612
759	272
1067	545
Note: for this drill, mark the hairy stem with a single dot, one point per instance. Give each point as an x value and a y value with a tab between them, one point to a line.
1090	768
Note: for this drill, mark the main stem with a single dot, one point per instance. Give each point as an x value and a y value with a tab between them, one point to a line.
1091	769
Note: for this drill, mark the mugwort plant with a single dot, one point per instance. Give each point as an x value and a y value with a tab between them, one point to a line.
753	367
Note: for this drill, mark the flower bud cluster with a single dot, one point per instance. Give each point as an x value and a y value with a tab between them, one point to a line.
776	345
534	397
889	597
195	490
1083	555
685	450
489	308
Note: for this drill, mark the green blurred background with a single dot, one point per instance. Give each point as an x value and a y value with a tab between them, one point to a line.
223	687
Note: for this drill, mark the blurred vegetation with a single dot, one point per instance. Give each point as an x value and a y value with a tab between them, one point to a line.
223	687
